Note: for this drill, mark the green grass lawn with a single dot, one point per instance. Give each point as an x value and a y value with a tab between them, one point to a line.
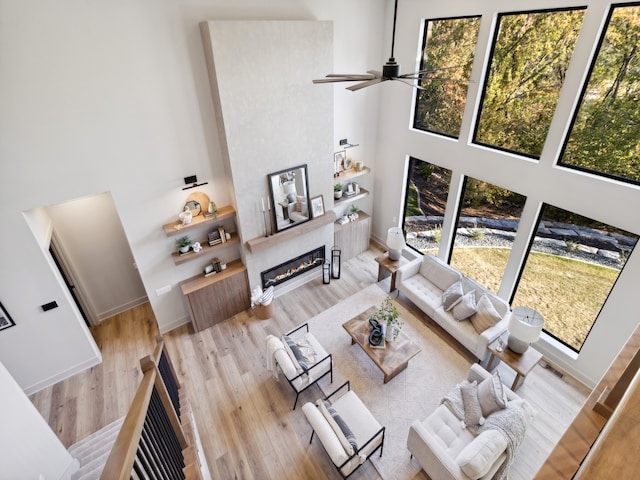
568	293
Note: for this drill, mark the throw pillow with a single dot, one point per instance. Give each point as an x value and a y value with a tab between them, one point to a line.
340	428
477	458
465	307
295	353
486	315
491	394
451	296
472	410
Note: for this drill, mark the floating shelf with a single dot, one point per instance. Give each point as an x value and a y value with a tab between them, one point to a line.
175	228
179	259
345	200
351	173
261	243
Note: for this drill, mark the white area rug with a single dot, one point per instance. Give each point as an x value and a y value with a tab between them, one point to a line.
411	395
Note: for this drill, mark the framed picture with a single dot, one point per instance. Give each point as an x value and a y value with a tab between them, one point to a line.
5	319
338	160
317	206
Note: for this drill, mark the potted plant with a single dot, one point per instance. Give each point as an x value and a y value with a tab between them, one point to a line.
183	244
389	316
337	190
353	213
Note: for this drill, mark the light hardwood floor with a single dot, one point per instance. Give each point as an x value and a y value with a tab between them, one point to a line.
244	417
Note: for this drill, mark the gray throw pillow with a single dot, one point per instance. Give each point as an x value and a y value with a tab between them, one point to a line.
465	307
451	296
472	410
491	395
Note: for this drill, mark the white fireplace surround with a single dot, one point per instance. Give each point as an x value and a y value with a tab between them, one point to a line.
267	66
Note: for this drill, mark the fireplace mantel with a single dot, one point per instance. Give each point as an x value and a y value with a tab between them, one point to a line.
259	244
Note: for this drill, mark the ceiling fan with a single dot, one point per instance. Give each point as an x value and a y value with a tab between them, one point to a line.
390	70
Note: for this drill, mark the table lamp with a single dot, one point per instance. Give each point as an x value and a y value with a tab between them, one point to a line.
395	243
524	328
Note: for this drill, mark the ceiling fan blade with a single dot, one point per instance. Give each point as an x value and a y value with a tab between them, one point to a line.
368	83
334	77
421	73
356	76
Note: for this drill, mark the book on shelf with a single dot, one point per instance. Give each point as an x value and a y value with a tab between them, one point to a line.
223	236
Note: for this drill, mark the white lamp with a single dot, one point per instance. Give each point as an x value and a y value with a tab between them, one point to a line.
395	243
525	326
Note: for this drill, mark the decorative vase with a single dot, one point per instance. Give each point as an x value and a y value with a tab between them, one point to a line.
337	194
389	332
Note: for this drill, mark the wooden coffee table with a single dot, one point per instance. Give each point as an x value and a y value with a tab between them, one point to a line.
393	358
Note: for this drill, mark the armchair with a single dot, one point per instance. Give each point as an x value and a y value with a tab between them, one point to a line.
347	430
300	357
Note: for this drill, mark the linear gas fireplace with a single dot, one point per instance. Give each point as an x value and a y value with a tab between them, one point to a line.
292	268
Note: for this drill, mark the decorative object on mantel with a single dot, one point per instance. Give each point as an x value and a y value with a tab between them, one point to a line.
5	319
335	262
388	315
266	216
395	243
317	206
525	326
289	197
183	244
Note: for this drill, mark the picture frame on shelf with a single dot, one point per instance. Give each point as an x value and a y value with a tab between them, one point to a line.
338	161
5	319
317	206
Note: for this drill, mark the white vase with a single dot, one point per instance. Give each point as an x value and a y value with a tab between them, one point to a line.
390	332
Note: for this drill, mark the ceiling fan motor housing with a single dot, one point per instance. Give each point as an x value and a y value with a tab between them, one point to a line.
391	69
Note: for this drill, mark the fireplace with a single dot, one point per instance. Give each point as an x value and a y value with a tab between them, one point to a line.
292	268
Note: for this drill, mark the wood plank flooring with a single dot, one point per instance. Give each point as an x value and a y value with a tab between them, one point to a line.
244	416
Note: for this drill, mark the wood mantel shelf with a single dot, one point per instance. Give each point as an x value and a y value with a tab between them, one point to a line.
262	243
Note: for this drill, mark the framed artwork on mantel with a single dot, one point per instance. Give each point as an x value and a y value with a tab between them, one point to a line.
317	206
5	319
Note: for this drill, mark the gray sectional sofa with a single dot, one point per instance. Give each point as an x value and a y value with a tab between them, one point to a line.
469	312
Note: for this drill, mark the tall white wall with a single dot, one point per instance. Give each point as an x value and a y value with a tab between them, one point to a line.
30	449
114	97
601	199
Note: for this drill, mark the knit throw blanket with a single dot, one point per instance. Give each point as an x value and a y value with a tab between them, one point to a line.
510	421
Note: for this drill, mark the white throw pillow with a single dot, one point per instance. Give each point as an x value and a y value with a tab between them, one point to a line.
491	394
465	307
477	458
486	315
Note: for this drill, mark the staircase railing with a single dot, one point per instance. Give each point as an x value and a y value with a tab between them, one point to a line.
152	442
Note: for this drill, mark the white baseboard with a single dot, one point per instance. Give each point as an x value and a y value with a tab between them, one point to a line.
175	324
122	308
69	372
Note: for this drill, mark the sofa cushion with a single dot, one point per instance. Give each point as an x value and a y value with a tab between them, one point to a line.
486	315
451	296
296	355
438	272
340	428
491	394
465	307
477	458
472	409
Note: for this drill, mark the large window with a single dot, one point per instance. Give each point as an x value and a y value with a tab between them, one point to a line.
605	135
571	268
531	53
425	202
447	53
487	225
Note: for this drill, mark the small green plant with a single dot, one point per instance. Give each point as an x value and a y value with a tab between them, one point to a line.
572	246
437	233
337	187
354	210
477	233
389	315
183	242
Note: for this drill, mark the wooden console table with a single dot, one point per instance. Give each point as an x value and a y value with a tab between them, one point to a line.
217	297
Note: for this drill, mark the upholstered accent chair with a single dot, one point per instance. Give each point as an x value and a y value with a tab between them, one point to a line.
300	357
347	430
